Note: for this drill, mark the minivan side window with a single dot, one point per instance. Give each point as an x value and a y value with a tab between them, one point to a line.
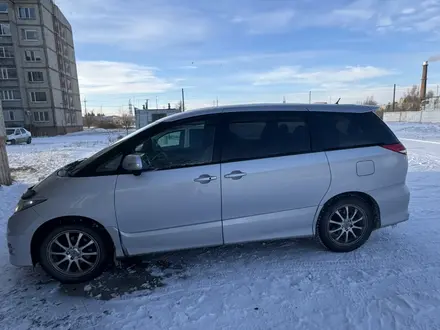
179	146
336	130
253	135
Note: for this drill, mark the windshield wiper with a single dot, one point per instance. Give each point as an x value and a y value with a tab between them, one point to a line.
71	167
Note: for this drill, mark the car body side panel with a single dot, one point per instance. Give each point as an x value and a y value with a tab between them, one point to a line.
393	204
80	197
283	224
169	210
277	197
389	176
171	239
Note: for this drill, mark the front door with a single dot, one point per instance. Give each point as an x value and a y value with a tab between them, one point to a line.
271	182
18	136
176	204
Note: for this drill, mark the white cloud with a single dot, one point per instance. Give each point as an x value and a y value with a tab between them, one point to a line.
139	25
267	22
408	11
188	67
114	78
358	15
384	21
324	78
281	56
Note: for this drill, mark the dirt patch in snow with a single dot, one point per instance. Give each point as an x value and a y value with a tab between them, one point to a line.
133	275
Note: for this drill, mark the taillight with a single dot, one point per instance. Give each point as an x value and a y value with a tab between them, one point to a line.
398	147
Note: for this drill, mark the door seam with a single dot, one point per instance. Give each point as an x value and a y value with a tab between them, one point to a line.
124	249
221	202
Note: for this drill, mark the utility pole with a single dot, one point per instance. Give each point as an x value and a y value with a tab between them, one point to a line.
130	108
5	173
85	105
183	100
310	97
157	106
146	104
217	101
394	97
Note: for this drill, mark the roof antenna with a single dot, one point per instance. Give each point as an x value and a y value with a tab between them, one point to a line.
337	102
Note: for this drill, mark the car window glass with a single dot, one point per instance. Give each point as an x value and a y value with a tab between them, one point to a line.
17	132
252	136
22	131
170	139
332	131
184	145
111	165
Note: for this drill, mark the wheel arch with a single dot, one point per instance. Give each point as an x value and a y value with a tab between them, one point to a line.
362	195
48	226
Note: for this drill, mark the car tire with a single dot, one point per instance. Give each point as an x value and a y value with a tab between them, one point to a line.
83	250
345	225
13	142
29	141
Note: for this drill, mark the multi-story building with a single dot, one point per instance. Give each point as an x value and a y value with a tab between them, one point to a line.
38	77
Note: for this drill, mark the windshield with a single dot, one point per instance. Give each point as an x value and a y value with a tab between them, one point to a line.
10	131
78	166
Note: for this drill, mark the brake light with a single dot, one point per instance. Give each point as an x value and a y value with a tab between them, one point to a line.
398	147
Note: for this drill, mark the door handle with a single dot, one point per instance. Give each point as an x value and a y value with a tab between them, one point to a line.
235	175
205	178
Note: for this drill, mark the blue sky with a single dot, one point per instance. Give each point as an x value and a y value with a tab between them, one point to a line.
243	51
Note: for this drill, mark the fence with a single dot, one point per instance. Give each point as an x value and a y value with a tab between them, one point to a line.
430	113
413	116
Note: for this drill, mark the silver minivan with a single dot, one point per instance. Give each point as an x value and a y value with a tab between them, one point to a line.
216	176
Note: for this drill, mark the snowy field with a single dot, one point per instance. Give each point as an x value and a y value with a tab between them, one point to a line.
393	282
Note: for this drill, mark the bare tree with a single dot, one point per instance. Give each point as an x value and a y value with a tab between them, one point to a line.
89	119
178	106
5	172
410	100
370	101
127	121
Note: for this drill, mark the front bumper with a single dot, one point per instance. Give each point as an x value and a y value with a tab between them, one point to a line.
21	227
19	250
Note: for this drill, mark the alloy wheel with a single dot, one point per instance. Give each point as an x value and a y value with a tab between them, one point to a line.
347	224
73	253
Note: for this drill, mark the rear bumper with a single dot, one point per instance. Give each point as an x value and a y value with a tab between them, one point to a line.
393	204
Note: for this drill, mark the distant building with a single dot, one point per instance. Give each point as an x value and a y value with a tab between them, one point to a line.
38	76
145	117
116	120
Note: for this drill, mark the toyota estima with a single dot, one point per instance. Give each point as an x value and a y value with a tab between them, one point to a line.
216	176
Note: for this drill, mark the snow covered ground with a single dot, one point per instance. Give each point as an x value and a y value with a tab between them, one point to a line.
393	282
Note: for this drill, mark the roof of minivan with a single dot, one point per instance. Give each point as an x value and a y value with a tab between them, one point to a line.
353	108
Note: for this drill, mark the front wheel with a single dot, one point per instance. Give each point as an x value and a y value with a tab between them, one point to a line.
346	224
13	142
73	254
29	141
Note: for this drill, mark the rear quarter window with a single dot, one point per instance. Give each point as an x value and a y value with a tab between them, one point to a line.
334	130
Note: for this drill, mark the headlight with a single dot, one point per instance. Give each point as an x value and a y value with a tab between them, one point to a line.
24	204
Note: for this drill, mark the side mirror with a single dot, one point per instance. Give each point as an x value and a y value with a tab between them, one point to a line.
133	163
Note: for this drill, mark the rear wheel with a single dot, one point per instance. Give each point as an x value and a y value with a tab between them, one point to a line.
346	224
73	254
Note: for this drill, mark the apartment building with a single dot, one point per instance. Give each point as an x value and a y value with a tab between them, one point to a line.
38	76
